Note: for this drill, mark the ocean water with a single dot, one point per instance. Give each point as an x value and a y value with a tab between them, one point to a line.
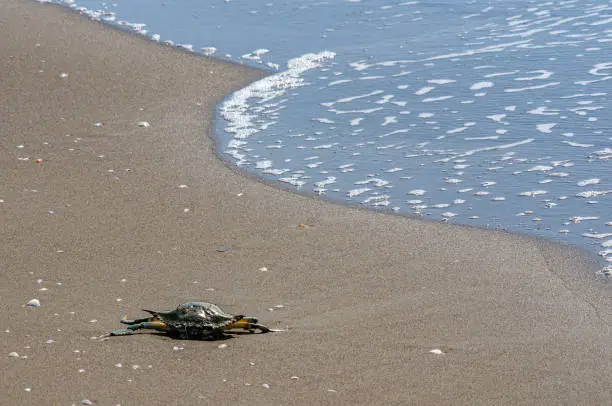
490	113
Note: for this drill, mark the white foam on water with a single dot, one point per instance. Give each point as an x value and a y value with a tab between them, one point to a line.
493	75
457	130
242	122
357	192
541	75
593	193
524	89
490	137
441	81
481	85
540	168
498	118
377	182
363	111
265	164
545	128
545	111
601	67
586	182
493	148
339	82
436	99
389	120
382	200
424	90
533	193
360	96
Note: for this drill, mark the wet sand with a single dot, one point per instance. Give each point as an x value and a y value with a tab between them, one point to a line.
118	217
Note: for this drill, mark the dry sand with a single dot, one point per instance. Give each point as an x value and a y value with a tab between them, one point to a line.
366	295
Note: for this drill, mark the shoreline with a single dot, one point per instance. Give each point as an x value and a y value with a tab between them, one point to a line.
119	217
599	262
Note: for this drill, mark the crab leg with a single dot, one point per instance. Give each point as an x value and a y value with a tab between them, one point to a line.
153	325
125	320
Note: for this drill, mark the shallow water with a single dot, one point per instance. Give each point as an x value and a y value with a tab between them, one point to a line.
492	113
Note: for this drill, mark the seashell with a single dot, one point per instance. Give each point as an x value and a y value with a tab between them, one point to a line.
143	124
437	351
13	354
222	346
33	303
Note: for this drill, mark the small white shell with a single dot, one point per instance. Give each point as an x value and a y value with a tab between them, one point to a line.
222	346
143	124
437	351
13	354
33	303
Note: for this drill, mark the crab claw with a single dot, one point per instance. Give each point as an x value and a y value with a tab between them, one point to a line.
250	324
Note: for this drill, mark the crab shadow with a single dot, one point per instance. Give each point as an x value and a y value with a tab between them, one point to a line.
220	337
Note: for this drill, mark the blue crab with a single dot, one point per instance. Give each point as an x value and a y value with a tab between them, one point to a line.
194	320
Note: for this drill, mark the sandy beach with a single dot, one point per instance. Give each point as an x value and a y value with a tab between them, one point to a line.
102	217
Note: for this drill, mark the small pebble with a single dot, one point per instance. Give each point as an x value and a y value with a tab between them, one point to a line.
63	75
33	303
265	385
222	346
263	269
177	348
28	389
183	186
436	351
86	402
118	365
81	370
